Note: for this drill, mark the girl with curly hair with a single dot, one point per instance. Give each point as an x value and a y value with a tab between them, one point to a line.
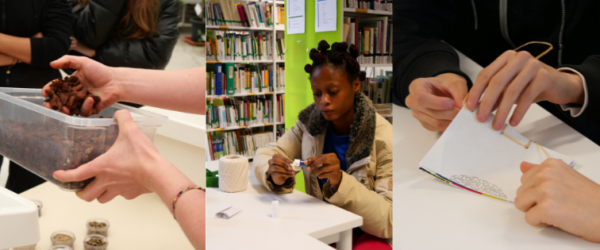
345	143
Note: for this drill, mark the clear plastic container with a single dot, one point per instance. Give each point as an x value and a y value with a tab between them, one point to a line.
60	247
88	246
44	140
62	237
94	226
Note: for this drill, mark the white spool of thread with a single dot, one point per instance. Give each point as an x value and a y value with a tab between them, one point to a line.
233	173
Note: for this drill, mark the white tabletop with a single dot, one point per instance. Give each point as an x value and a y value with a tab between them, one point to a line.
141	223
300	215
431	214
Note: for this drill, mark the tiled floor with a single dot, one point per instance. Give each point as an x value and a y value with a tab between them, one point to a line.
185	55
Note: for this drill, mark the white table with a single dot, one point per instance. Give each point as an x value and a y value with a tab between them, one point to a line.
433	215
304	222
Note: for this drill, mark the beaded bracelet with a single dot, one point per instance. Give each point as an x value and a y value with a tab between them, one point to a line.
179	195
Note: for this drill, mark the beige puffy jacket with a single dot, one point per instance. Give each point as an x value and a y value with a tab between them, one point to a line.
366	187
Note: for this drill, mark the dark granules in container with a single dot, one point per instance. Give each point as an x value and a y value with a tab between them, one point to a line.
46	146
70	93
96	242
97	224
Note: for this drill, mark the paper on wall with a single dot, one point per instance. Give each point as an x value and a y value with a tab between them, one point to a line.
473	155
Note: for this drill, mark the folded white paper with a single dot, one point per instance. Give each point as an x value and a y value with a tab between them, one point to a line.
228	212
472	155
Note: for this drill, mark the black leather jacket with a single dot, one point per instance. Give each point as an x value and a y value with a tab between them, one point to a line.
95	25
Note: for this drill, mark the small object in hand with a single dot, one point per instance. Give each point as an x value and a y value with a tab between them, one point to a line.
63	237
68	92
98	226
297	165
95	242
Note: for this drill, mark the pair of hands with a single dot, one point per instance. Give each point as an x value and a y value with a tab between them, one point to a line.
513	78
124	168
324	166
554	194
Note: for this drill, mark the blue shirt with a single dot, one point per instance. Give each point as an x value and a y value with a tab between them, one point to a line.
338	145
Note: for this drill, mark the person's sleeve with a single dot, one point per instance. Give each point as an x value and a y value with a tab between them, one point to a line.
591	78
374	207
574	109
56	30
96	22
149	53
288	146
419	28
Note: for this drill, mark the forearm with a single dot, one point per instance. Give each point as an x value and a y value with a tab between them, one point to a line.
167	182
6	60
16	47
181	90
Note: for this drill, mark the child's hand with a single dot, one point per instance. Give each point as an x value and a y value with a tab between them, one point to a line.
280	169
326	166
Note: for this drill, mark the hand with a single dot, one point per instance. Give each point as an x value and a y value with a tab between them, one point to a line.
519	78
96	77
280	169
84	50
554	194
126	169
435	101
326	166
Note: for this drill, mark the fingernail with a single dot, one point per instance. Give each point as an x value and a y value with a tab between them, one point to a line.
481	117
448	104
470	104
497	126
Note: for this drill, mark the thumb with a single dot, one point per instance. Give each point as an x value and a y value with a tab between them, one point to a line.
71	62
458	93
124	120
526	166
82	173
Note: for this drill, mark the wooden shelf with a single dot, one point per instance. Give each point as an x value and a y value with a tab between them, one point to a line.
376	65
240	127
249	94
240	62
367	11
241	28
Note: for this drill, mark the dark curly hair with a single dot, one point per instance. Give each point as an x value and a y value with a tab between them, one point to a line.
338	57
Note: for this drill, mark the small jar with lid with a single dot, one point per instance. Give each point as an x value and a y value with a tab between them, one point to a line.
63	237
98	226
95	242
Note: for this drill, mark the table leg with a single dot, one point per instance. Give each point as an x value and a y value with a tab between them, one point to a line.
345	242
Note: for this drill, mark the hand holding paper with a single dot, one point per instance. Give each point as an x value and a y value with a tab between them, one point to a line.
554	194
473	156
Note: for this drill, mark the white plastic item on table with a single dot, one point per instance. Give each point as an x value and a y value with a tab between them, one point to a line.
233	173
19	221
25	107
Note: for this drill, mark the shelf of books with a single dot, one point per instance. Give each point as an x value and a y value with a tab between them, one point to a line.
368	24
245	56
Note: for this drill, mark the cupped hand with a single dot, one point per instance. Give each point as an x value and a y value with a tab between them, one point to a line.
96	77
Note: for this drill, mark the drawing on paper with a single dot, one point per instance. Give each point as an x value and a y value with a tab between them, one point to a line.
480	185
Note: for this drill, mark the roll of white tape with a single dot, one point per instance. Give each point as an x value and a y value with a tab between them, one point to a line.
233	173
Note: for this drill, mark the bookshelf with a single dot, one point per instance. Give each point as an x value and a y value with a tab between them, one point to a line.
276	31
349	10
